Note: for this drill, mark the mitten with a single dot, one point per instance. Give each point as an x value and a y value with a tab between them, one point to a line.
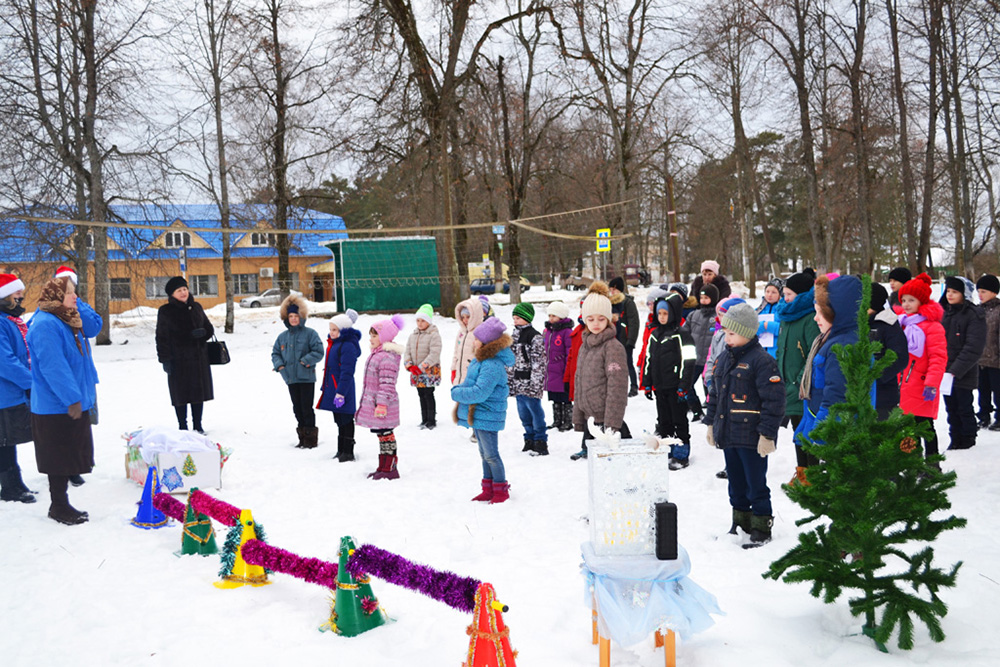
338	401
649	394
453	377
381	411
682	394
75	410
929	393
710	436
765	446
414	369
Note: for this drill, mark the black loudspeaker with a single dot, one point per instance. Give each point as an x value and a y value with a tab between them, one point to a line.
666	530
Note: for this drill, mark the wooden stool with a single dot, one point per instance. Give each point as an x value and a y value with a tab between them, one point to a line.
668	642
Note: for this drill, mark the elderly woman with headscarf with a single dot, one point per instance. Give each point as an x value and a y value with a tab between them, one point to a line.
15	386
63	391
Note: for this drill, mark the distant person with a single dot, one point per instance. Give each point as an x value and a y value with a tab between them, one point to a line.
182	331
378	407
770	327
558	339
423	360
710	275
15	389
294	355
652	297
716	347
702	325
526	379
898	277
337	391
884	328
630	326
470	314
989	364
965	330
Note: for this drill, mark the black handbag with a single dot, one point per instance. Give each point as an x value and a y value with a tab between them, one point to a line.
218	353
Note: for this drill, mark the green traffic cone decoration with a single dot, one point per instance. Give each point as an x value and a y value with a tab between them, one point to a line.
199	535
355	608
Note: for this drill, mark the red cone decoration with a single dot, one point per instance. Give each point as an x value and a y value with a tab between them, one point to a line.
489	643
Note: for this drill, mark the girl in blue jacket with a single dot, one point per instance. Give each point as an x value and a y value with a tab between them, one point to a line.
769	327
295	354
343	349
482	403
15	383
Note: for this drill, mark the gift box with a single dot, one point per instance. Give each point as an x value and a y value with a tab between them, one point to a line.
186	460
626	482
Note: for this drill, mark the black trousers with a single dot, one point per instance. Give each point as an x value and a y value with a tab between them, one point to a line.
930	445
671	415
989	392
302	394
182	415
630	362
961	415
428	406
345	424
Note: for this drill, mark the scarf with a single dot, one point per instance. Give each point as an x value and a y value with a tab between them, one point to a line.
51	301
805	388
915	336
802	305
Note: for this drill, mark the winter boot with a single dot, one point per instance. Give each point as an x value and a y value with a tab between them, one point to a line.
76	480
310	437
383	467
760	531
60	510
722	474
390	471
299	431
995	426
501	492
20	482
539	448
962	441
983	419
12	488
582	454
487	493
567	417
345	449
679	464
529	444
742	519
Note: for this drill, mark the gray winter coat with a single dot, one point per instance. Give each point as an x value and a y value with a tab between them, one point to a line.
601	382
527	376
701	322
298	349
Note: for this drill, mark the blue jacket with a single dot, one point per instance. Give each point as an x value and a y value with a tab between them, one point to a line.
747	398
828	384
342	354
298	349
61	373
773	327
484	391
92	322
15	374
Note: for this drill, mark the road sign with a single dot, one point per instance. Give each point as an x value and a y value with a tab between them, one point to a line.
603	240
498	229
486	257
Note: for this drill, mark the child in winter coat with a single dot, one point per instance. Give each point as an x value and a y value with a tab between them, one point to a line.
652	297
769	327
527	379
481	404
575	340
378	408
470	315
601	374
717	346
557	339
884	328
669	368
295	354
702	324
989	364
965	330
928	355
423	360
745	407
343	349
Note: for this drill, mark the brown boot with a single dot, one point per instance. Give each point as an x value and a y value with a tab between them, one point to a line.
300	432
60	510
799	478
310	437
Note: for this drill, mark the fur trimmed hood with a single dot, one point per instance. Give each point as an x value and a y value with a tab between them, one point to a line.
490	350
394	347
298	301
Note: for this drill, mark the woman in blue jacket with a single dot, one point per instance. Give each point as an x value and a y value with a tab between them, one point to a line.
63	391
295	354
15	384
823	383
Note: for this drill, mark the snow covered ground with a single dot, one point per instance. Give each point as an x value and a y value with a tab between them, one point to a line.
109	594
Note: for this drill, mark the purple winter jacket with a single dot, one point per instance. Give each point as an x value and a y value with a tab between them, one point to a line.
557	343
381	371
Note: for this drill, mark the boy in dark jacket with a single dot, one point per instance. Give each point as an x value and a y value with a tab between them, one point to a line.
629	325
989	364
669	368
883	327
527	379
965	330
745	407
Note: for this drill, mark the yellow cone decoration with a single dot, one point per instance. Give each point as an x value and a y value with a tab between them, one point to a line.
241	572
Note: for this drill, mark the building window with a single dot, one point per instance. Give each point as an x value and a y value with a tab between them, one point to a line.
261	239
204	285
177	239
156	287
121	289
244	283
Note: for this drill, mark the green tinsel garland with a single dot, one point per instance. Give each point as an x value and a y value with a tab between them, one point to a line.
232	545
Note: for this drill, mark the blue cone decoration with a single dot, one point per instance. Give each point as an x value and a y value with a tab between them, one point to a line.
149	517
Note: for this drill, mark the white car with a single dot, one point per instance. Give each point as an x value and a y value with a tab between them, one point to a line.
271	297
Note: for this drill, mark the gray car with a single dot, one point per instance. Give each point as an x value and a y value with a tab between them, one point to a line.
270	297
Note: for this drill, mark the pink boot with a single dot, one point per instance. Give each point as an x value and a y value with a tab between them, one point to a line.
501	492
487	493
382	467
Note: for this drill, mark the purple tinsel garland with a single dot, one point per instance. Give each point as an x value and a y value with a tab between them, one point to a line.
313	570
169	506
222	512
447	587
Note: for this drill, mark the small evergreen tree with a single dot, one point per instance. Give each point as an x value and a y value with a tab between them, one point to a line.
872	495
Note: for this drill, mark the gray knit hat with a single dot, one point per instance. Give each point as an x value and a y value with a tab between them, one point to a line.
741	319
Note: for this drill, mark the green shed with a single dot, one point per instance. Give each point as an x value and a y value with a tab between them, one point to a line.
386	274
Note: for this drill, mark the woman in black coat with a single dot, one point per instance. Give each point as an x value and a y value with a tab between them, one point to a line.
182	331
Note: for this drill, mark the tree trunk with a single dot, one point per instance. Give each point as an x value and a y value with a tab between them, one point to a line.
279	169
927	207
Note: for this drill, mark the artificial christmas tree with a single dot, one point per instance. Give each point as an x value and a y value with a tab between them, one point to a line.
355	607
872	495
235	571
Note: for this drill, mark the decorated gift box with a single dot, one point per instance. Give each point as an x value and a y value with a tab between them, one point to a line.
185	459
626	481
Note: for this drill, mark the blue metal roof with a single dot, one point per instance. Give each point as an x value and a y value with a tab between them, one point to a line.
32	241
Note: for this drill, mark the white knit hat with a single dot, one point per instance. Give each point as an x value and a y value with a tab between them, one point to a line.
559	309
346	319
597	301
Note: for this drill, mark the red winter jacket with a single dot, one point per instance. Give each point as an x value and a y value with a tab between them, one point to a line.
646	330
925	371
576	338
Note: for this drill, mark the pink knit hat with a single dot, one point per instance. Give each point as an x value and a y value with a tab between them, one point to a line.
388	328
711	265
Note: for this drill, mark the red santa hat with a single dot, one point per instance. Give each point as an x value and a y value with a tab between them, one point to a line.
67	272
9	283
